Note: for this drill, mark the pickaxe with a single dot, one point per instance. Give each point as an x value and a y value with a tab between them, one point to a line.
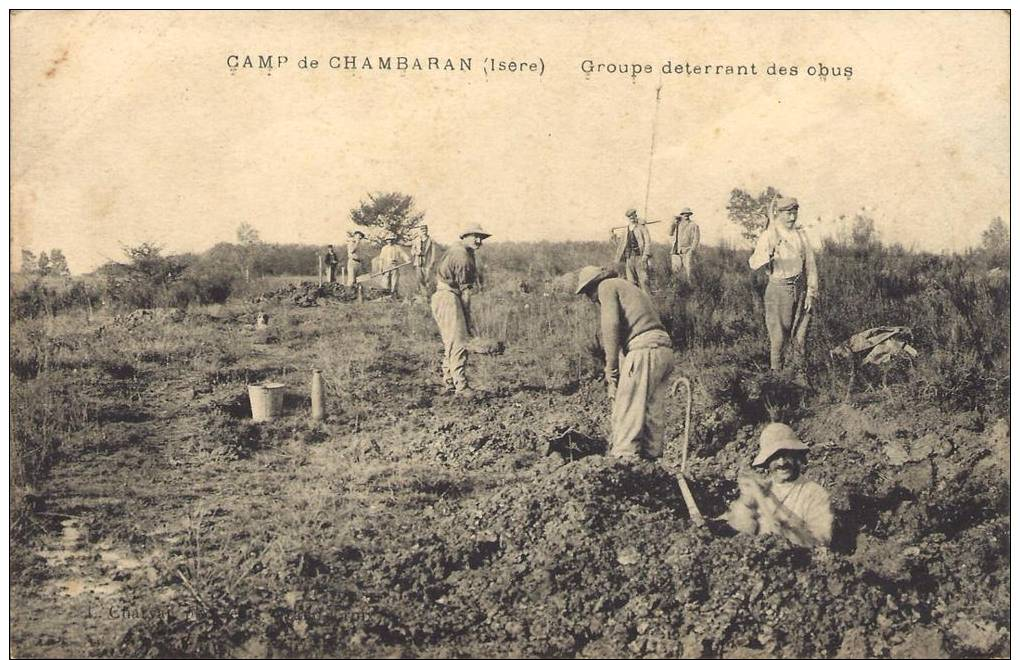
685	489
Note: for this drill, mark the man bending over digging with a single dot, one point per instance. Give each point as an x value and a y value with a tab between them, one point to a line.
639	361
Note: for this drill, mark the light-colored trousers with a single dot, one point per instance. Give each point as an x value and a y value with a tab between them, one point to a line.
392	280
451	316
635	271
786	320
642	395
352	271
682	263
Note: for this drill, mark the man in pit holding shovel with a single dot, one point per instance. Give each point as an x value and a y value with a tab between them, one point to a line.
785	503
639	361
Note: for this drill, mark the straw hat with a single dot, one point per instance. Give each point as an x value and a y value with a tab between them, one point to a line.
776	437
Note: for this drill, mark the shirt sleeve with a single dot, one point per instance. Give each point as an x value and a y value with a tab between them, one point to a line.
810	267
818	514
741	518
762	251
455	270
610	323
696	240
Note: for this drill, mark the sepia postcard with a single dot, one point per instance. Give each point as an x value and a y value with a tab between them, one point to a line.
583	333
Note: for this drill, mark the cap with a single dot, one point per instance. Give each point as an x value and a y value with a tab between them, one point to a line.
787	203
776	437
589	275
631	213
474	229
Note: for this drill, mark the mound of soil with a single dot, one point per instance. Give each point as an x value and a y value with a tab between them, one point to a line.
310	294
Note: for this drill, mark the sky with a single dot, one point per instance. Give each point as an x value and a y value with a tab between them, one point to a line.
130	126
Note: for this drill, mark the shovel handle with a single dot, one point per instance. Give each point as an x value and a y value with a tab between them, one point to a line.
683	380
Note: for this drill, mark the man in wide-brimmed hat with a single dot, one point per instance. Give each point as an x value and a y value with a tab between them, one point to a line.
390	257
685	236
634	250
639	361
784	250
784	503
456	280
355	254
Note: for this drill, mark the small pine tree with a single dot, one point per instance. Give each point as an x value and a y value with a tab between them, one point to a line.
752	214
388	213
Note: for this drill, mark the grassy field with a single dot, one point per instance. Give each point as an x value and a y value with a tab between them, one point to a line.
152	517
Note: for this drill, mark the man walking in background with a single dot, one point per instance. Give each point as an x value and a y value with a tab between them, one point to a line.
793	285
456	281
423	254
639	361
634	251
355	253
685	236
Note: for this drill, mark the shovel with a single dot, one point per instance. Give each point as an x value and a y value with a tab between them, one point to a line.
685	489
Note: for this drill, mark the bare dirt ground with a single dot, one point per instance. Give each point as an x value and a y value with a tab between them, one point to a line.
410	523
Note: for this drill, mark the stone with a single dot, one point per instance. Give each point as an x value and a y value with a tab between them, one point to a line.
921	643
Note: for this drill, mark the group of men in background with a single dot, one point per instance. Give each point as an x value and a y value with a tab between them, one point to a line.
388	263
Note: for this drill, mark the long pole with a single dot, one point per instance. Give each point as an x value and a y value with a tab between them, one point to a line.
651	150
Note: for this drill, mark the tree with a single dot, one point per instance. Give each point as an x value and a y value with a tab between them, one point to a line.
148	279
752	214
859	231
58	263
147	263
29	264
248	238
391	212
42	265
996	237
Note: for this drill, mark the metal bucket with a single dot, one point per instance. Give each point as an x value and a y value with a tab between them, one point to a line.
266	401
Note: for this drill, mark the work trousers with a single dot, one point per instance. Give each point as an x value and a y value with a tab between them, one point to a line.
424	277
682	263
635	271
639	409
392	281
786	320
451	316
353	266
331	271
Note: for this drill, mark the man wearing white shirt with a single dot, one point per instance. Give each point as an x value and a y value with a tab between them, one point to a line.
793	283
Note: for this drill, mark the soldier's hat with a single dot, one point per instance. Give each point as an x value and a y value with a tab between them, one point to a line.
787	203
